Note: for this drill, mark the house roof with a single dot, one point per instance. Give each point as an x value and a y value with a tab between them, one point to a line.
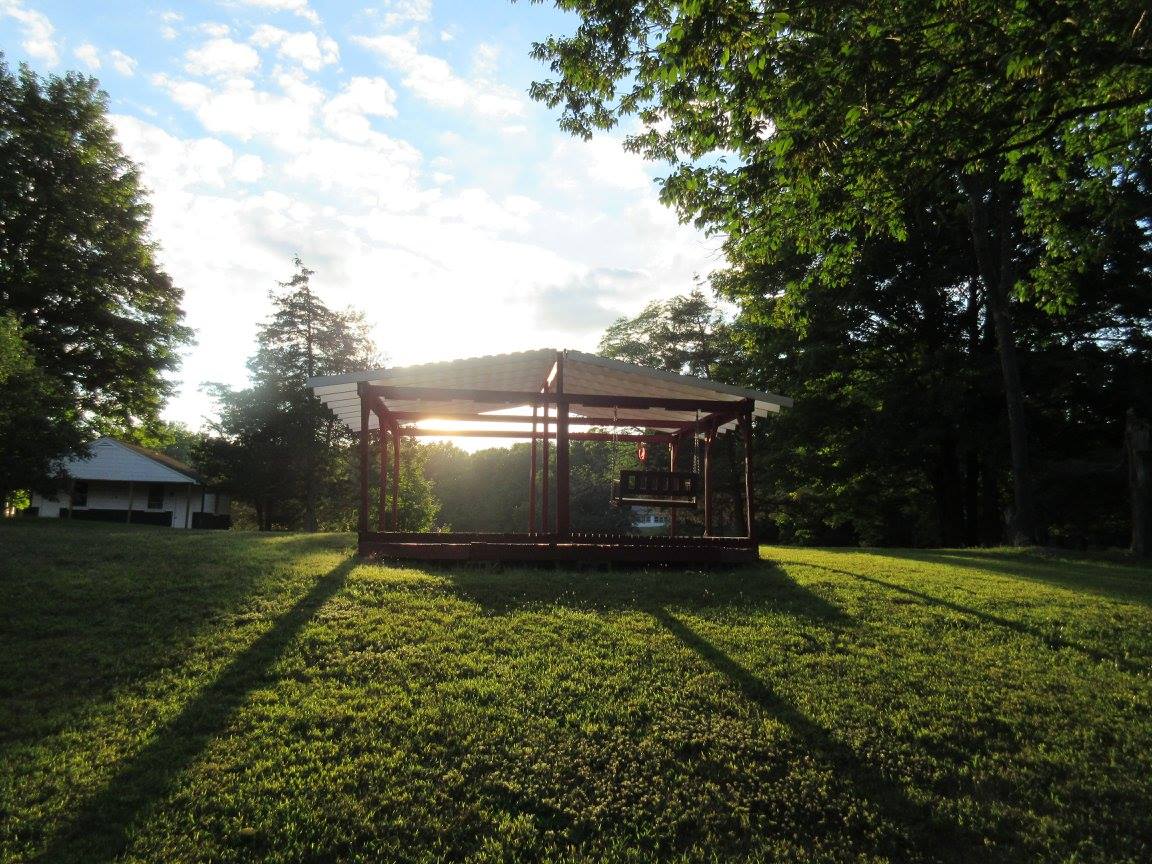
112	459
525	372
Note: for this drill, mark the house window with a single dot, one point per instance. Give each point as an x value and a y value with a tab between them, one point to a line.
156	496
80	493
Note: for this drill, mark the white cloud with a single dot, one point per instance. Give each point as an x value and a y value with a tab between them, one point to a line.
181	163
484	59
168	26
37	31
222	56
432	79
309	50
382	172
88	55
248	168
242	110
298	7
346	115
397	13
597	164
399	218
122	63
214	29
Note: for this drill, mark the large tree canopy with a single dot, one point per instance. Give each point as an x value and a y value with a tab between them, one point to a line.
77	267
816	129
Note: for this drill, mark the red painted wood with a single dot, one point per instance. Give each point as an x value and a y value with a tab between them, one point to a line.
563	465
364	459
636	422
569	552
518	397
749	503
545	524
395	475
381	517
532	478
708	438
425	432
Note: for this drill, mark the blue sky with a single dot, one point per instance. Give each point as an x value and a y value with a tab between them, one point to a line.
393	146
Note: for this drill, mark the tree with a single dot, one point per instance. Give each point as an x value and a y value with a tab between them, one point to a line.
813	127
76	266
275	444
685	335
499	477
37	421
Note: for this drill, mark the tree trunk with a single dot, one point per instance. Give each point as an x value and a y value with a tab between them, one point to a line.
998	272
1138	450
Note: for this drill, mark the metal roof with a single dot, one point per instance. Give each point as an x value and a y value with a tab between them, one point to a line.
525	372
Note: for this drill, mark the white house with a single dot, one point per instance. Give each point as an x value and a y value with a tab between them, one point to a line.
125	483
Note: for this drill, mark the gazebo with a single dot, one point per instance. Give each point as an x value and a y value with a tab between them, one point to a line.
551	398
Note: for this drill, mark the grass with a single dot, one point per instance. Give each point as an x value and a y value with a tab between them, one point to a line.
193	696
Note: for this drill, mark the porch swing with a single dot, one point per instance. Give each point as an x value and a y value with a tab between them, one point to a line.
644	488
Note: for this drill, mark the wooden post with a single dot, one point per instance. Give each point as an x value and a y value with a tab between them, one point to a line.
365	458
532	478
672	467
131	493
545	524
708	436
382	507
563	468
395	476
71	495
187	505
749	508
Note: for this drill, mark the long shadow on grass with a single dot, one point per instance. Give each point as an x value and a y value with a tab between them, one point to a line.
761	586
91	608
100	830
920	832
1123	580
1052	640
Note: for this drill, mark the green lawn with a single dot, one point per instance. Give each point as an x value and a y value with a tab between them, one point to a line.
188	696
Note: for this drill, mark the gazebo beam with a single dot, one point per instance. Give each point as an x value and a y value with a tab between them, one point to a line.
520	397
421	432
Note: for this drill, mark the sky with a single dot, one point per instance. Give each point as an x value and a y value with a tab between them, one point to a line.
393	147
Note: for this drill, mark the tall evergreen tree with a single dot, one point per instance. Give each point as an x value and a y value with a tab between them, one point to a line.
275	444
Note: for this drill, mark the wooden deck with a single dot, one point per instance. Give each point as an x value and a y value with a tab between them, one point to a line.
576	548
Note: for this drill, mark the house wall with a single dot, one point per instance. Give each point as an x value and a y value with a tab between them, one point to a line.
182	499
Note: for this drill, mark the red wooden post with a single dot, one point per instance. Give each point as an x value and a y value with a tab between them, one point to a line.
365	413
382	436
708	436
545	524
563	468
672	467
749	508
532	479
395	476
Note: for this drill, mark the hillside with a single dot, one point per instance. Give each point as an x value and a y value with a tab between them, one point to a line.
173	696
